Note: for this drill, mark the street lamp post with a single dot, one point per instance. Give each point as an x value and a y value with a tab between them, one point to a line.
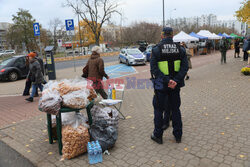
163	8
170	16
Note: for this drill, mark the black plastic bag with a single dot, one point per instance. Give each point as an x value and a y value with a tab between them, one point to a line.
106	135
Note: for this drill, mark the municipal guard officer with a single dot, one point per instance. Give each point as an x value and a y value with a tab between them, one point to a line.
169	66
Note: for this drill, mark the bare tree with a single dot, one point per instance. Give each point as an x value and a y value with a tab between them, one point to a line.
94	12
55	25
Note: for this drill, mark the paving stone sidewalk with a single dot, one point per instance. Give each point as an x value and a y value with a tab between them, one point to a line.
215	111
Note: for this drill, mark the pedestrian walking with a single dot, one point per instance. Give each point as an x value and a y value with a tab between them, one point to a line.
28	82
35	75
168	68
188	57
223	49
94	70
246	47
236	48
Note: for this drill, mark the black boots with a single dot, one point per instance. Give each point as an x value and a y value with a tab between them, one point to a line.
30	99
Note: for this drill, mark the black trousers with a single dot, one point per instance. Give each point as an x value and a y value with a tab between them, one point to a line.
27	88
172	97
99	89
245	57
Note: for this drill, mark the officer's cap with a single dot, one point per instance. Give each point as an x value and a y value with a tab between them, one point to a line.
167	31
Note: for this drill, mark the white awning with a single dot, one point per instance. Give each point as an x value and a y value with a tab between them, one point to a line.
184	37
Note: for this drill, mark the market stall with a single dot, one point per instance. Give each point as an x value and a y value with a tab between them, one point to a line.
65	103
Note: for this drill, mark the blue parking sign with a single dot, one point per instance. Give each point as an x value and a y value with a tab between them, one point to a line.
36	29
69	24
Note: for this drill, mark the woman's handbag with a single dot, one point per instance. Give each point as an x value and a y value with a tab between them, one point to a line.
85	71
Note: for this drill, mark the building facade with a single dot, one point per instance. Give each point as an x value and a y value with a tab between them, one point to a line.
4	26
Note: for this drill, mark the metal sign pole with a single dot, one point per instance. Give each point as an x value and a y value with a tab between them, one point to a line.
73	51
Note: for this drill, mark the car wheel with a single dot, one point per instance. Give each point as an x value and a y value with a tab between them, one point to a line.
127	63
13	76
120	60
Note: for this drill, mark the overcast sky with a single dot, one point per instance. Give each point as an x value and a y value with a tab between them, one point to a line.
133	10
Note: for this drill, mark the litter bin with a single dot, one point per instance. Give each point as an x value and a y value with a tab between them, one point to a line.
50	63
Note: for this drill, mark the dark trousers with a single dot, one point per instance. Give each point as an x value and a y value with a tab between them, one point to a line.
27	88
223	57
99	89
245	57
172	97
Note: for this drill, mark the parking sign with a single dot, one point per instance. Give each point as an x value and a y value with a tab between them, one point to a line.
36	29
69	24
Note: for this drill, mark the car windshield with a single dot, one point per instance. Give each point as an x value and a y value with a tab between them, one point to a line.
133	51
5	62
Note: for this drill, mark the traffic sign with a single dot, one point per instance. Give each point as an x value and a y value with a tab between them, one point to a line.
69	24
36	29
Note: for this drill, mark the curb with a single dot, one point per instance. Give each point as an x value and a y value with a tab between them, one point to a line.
59	59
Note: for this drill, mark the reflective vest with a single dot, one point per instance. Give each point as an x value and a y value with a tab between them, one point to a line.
170	59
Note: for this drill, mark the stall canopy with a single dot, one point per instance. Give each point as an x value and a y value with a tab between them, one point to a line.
206	33
184	37
197	36
227	36
216	36
236	36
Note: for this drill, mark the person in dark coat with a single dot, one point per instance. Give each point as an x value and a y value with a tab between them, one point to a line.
168	67
237	48
223	49
246	47
94	70
35	75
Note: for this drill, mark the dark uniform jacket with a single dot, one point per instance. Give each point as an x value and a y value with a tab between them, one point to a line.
164	79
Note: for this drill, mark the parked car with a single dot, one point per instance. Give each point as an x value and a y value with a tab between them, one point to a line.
13	68
148	52
132	56
10	52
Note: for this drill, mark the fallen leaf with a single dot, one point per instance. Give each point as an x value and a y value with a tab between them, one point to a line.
195	102
40	119
54	141
50	153
231	113
185	149
242	156
46	140
238	125
27	145
28	151
13	122
132	147
31	140
44	131
13	128
151	115
227	118
204	108
128	117
222	133
206	114
173	165
132	127
158	161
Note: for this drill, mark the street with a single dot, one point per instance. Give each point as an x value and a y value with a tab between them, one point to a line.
81	63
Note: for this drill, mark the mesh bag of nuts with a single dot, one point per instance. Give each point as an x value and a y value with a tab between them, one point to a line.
75	138
50	102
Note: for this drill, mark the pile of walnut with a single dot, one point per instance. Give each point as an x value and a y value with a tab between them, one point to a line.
74	141
77	100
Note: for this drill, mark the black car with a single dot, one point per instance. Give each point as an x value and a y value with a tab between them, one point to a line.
13	68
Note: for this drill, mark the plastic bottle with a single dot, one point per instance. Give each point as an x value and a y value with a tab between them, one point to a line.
90	154
99	151
113	93
110	92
